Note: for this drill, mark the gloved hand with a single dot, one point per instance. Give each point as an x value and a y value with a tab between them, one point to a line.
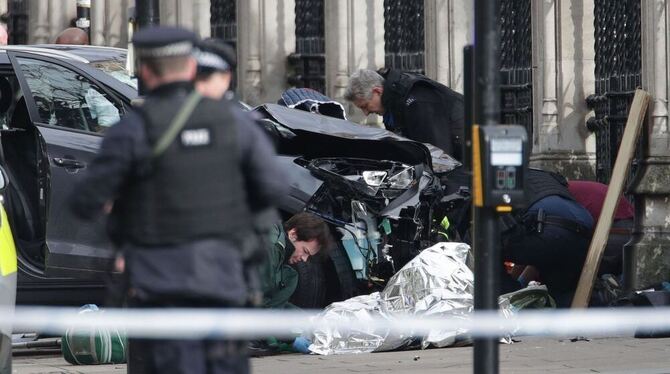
301	344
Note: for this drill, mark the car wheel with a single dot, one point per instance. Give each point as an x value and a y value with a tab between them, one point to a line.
344	274
311	290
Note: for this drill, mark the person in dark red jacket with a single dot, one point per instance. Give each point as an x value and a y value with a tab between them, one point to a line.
592	196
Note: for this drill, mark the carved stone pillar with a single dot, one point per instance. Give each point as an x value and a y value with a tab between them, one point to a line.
193	15
563	57
47	18
449	26
109	22
250	26
354	40
266	36
38	21
647	257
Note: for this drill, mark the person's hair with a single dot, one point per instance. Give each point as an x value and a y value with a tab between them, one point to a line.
165	65
309	227
361	84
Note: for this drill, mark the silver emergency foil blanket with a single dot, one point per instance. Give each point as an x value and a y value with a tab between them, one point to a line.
329	340
436	283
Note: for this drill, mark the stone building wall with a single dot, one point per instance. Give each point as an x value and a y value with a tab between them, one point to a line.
109	18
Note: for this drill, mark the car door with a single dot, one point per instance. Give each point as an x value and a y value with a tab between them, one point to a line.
71	111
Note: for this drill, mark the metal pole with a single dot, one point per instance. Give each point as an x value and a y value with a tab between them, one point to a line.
487	112
468	96
84	16
148	13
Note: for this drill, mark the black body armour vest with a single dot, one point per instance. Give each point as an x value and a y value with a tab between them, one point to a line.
400	84
195	189
543	183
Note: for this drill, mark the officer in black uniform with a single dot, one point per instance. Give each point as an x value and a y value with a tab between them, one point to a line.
552	234
216	66
184	174
412	105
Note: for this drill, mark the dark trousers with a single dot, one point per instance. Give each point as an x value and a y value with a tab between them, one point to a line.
5	353
557	253
186	356
612	261
162	356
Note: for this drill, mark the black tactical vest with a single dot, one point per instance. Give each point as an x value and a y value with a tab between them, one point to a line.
398	84
543	183
397	87
195	189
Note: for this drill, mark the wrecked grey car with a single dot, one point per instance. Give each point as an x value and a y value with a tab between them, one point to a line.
383	195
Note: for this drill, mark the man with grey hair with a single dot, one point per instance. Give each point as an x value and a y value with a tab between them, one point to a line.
412	105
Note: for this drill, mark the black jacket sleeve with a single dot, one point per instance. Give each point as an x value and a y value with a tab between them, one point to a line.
263	177
123	144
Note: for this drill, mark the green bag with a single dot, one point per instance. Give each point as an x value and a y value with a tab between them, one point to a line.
93	346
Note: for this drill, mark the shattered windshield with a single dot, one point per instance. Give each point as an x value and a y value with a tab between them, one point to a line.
117	69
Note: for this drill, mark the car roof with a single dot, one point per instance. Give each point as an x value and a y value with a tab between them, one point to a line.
81	53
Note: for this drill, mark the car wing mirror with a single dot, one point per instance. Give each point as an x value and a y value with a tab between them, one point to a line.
4	181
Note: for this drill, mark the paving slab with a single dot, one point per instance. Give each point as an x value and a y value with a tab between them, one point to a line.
528	355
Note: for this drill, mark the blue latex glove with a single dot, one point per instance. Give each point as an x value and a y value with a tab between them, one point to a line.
301	344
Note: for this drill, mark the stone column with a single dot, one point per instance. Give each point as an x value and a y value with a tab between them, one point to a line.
449	26
109	22
265	37
193	15
647	256
354	40
563	75
98	22
277	42
249	31
61	12
201	18
38	22
47	18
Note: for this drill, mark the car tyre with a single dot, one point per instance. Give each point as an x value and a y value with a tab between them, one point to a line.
344	272
311	290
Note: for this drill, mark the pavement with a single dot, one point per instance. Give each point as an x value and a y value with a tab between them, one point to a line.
622	354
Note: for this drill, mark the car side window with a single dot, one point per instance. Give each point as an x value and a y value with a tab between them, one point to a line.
67	99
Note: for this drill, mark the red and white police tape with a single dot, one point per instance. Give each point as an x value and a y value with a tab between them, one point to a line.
256	323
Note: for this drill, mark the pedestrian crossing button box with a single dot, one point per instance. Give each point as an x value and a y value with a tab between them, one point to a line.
500	161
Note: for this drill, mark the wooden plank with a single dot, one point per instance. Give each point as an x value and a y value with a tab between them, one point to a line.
631	133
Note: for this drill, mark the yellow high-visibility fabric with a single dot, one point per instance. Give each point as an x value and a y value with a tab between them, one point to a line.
7	248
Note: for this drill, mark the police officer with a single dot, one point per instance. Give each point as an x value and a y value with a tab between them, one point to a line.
552	235
185	174
216	65
412	105
216	62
